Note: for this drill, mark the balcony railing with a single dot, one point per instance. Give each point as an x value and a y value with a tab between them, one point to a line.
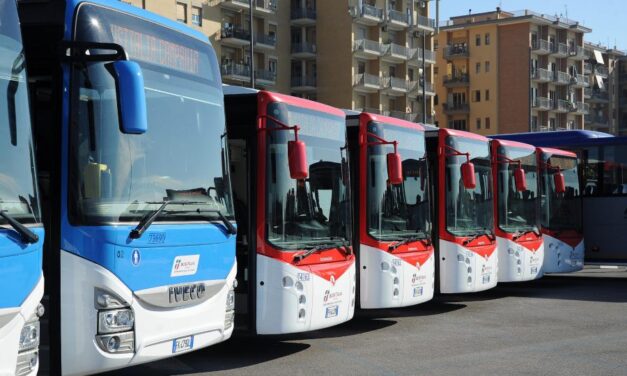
541	74
601	70
235	32
300	81
562	78
422	21
372	12
414	86
265	39
265	75
398	16
580	80
239	3
563	105
303	13
395	83
599	95
595	119
576	52
298	48
368	46
456	107
367	79
542	103
268	5
231	69
560	49
409	116
587	68
451	52
395	49
456	80
582	108
415	54
541	46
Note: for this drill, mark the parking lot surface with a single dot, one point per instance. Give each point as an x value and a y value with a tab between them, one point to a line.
559	325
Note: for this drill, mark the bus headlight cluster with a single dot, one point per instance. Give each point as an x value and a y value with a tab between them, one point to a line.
229	316
29	337
288	283
28	347
116	323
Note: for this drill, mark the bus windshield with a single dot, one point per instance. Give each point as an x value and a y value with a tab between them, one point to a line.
316	210
468	211
18	188
116	177
560	211
517	210
401	211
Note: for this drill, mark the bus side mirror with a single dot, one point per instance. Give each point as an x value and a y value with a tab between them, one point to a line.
132	111
560	184
297	155
520	179
395	169
468	175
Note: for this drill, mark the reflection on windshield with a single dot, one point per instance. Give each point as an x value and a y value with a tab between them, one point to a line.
397	211
468	211
317	209
18	190
560	211
120	177
517	210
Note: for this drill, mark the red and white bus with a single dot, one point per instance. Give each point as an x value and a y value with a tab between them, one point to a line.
560	211
392	224
519	241
289	165
466	245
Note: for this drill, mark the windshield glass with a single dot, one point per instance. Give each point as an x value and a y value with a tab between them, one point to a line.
517	209
397	211
18	188
118	177
316	210
468	211
560	211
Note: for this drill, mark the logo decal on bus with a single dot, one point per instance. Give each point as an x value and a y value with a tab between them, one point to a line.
185	265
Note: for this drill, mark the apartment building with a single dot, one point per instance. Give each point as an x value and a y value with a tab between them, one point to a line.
505	72
621	71
602	93
227	25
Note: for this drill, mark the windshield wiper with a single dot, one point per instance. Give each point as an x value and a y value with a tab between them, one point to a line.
485	232
27	235
149	218
318	248
229	226
421	235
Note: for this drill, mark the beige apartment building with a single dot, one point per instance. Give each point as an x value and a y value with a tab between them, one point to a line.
354	54
603	89
506	72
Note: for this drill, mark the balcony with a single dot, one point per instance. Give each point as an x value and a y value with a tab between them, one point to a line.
560	50
265	6
394	53
456	52
305	50
456	108
587	68
541	47
425	23
596	121
541	75
370	15
367	49
459	80
235	36
542	104
265	41
303	84
581	108
397	20
561	78
601	70
597	96
394	86
303	17
563	106
579	81
408	116
235	72
416	88
414	56
265	77
576	53
235	4
367	83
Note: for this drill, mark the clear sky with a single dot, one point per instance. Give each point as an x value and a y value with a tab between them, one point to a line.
606	18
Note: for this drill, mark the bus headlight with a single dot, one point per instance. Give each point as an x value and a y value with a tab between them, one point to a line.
29	336
119	320
118	343
230	300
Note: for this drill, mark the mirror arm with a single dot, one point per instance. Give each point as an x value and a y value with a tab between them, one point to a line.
283	126
455	152
382	141
508	160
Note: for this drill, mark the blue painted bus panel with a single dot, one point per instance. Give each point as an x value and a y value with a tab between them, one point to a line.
555	138
20	267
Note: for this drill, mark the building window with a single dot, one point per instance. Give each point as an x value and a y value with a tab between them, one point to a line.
487	123
435	71
181	12
487	95
478	123
487	39
478	40
197	16
477	95
487	66
478	68
457	124
272	65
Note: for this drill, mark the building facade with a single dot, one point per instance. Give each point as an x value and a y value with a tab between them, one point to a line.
508	72
603	90
375	55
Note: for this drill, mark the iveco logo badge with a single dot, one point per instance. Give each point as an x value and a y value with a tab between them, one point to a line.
184	293
135	257
332	280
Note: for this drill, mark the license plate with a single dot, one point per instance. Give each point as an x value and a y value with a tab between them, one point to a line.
182	344
331	311
534	270
417	291
486	278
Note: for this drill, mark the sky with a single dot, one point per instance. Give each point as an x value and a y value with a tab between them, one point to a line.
606	18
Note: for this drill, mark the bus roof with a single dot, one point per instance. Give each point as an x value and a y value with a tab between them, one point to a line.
554	151
555	138
513	144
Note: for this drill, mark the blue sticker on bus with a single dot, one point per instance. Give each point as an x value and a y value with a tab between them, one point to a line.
332	311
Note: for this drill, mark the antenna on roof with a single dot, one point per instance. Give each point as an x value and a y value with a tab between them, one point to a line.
566	11
469	11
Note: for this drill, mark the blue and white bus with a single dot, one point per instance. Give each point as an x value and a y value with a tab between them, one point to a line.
131	144
21	231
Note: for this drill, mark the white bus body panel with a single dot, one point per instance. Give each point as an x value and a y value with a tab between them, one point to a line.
155	329
387	281
11	322
518	263
280	288
560	257
462	270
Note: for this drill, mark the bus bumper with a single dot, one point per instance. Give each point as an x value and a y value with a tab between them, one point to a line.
462	270
518	263
560	257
